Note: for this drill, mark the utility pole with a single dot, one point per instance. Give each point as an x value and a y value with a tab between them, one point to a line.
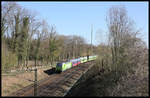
35	82
91	37
76	49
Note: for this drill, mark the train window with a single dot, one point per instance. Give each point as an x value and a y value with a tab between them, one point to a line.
59	64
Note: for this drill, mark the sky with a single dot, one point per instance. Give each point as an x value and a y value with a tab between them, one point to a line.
77	18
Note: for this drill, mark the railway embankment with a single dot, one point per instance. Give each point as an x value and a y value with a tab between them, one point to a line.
101	82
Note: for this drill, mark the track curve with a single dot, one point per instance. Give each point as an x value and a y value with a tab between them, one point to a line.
56	84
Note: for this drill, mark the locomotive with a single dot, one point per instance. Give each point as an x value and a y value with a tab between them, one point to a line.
62	66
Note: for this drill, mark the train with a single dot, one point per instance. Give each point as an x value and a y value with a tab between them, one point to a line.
62	66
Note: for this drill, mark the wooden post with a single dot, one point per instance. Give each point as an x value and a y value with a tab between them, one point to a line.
35	83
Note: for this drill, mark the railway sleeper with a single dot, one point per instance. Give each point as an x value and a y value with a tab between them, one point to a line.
67	83
74	77
47	91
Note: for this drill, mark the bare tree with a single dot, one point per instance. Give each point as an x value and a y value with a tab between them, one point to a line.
118	25
34	26
122	37
8	11
52	43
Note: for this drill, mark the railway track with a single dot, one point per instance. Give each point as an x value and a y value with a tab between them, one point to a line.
56	84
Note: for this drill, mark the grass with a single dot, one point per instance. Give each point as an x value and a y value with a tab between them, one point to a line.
15	81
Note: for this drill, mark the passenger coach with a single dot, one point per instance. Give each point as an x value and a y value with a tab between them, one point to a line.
62	66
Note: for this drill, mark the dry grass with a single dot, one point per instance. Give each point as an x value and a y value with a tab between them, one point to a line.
108	84
135	84
12	83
